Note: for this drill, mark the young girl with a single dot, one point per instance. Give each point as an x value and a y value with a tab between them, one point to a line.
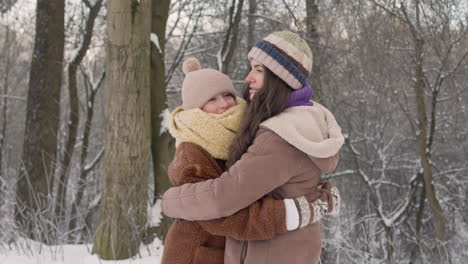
205	127
284	143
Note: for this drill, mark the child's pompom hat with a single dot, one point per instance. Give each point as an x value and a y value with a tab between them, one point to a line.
200	85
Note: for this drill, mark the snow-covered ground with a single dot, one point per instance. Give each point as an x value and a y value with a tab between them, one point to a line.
25	251
30	252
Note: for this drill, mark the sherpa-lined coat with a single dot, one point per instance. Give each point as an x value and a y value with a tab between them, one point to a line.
285	160
203	242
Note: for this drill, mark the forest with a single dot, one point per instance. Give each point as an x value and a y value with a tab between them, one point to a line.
86	87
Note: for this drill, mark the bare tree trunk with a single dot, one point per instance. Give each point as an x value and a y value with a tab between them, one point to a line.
419	219
313	39
4	92
422	136
251	20
162	143
42	121
122	214
60	206
184	43
390	245
83	171
230	40
3	119
439	220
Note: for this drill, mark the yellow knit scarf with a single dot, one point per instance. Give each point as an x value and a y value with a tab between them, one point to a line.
213	132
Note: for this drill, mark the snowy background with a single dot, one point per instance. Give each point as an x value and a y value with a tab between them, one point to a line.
367	81
26	251
30	252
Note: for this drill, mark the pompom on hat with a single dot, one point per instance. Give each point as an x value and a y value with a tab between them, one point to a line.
200	85
285	54
190	65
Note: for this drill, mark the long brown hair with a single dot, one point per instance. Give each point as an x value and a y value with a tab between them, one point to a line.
267	102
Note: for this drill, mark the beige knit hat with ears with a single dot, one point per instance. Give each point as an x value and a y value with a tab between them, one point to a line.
200	85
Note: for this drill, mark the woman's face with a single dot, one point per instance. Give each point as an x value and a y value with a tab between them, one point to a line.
256	77
219	103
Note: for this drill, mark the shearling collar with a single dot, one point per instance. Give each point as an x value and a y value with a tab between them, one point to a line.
311	129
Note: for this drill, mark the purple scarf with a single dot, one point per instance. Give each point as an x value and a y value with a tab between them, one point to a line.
300	97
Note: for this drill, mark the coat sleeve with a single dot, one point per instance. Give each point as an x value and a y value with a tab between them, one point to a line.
262	220
259	171
192	164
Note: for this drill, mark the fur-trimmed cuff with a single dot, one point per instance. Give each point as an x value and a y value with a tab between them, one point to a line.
280	215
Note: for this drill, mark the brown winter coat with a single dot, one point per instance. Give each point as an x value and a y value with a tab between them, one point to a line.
204	241
285	163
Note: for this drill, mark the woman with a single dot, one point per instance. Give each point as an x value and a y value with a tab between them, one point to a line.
283	144
204	128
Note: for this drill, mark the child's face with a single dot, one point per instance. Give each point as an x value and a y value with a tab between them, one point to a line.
255	78
219	103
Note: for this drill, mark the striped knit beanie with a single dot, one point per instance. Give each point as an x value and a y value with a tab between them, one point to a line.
285	54
200	85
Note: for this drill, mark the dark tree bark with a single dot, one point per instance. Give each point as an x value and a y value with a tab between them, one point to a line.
3	120
162	143
4	103
424	132
251	24
251	21
423	135
61	205
231	38
83	169
42	121
313	39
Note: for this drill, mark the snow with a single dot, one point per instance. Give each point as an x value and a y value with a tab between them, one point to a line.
95	201
31	252
219	59
74	53
21	19
154	38
96	159
25	251
166	117
155	214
